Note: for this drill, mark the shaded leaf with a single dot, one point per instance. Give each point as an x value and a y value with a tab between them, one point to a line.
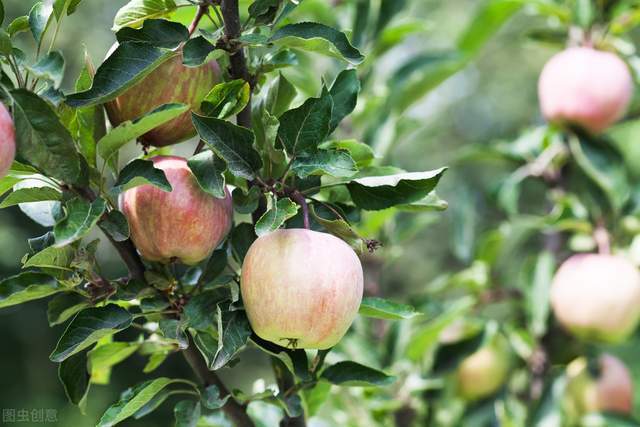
156	32
81	217
276	216
141	172
209	172
26	286
353	374
304	128
74	377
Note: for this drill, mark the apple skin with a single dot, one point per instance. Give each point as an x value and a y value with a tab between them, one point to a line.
171	82
185	224
7	141
483	373
301	288
585	87
610	391
596	297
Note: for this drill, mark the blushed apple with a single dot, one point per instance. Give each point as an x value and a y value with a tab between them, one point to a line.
171	82
585	87
301	288
186	224
7	141
483	373
608	389
597	297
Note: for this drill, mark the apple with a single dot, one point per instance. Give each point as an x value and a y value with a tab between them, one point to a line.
596	297
585	87
483	373
301	288
610	389
185	224
7	141
171	82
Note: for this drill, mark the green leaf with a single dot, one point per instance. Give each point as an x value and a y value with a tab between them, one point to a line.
380	308
246	203
431	202
584	13
489	18
280	96
198	51
88	327
31	194
134	399
342	229
81	217
345	96
134	13
49	67
226	99
603	165
538	298
427	336
26	286
117	137
18	25
233	332
200	311
2	13
334	163
275	217
65	305
304	128
173	330
361	153
156	32
6	48
53	257
103	357
42	140
141	172
74	377
381	192
242	236
39	18
187	413
115	224
60	7
352	374
318	38
209	172
264	11
234	144
211	398
126	66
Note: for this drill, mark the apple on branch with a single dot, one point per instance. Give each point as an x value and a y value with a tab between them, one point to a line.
596	297
585	87
186	223
301	288
7	141
171	82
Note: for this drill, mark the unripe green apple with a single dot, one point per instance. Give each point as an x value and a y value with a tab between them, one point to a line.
186	223
597	297
483	373
171	82
610	389
301	288
7	141
585	87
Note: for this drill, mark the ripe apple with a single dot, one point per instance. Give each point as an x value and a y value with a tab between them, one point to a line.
171	82
597	297
483	373
585	87
186	223
301	288
610	389
7	141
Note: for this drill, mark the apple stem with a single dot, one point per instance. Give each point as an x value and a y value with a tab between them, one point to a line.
299	198
202	10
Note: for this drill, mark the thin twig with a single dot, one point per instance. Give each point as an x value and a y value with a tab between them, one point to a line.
299	198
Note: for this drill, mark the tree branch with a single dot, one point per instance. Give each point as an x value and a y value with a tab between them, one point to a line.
236	412
238	68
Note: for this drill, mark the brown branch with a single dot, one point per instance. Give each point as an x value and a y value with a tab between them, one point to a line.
238	64
202	10
236	412
298	197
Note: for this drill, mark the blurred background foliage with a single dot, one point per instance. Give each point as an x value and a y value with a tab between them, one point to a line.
415	118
